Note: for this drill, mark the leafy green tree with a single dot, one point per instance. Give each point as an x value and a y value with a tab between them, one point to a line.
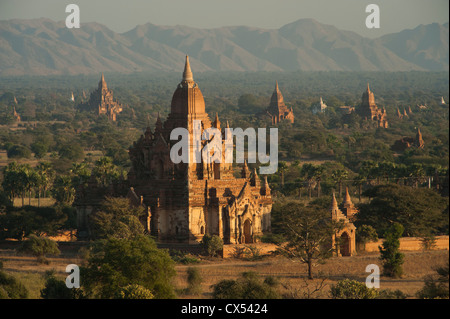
72	151
39	149
116	218
352	289
421	211
212	244
391	256
248	286
39	247
20	223
113	264
366	234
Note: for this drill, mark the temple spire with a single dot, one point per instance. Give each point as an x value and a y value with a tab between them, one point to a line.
368	89
216	122
334	203
102	83
347	199
187	74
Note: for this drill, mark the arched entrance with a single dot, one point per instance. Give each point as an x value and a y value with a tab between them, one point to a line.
344	247
248	232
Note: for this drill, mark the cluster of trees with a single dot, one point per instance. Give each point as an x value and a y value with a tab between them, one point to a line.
304	230
22	180
316	180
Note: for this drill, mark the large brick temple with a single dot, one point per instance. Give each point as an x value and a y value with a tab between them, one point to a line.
185	201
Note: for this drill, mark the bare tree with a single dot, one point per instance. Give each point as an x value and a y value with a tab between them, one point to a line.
309	231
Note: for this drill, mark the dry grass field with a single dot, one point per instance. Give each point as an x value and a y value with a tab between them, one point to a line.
291	275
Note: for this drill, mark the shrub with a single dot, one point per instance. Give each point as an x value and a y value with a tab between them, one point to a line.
134	291
391	256
365	234
212	244
436	286
11	288
39	247
18	151
180	257
248	286
352	289
194	281
391	294
57	289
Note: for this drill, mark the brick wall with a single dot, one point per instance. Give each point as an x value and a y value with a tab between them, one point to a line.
412	243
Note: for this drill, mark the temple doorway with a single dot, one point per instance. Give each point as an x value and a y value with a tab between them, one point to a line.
247	232
344	248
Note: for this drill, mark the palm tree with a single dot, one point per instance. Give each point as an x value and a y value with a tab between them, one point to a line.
282	167
308	171
63	190
359	181
45	175
338	176
318	173
416	173
386	170
105	171
81	173
12	180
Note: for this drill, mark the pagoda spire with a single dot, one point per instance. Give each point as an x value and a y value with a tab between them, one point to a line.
347	199
334	203
187	73
102	83
217	122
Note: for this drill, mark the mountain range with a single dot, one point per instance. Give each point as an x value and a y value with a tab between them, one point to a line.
45	47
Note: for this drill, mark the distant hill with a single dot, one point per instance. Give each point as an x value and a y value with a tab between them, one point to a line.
425	46
45	47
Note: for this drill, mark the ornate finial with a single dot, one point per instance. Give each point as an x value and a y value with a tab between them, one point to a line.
276	86
368	89
217	122
347	197
102	83
187	74
334	204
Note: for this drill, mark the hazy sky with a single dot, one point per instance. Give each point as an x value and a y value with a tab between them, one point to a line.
123	15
